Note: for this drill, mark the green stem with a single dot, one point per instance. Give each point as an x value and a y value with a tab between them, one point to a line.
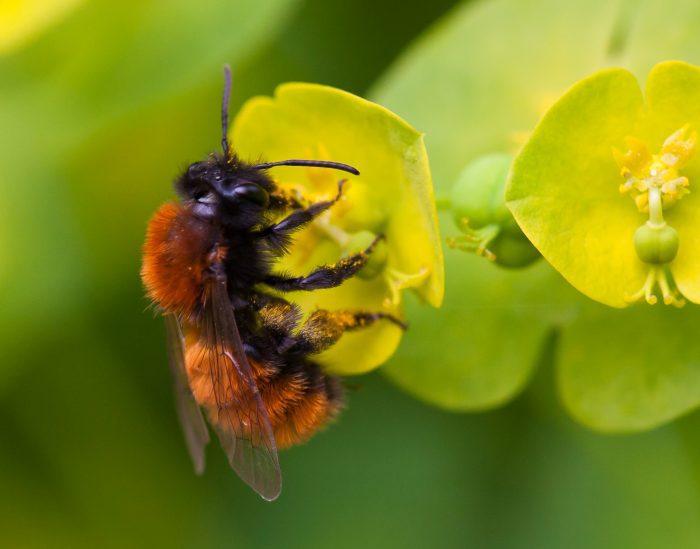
656	210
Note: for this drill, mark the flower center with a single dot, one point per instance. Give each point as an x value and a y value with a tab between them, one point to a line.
654	182
644	172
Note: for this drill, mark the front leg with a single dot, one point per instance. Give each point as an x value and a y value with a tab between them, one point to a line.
326	276
280	233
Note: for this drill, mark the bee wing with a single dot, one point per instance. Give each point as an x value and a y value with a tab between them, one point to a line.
240	419
188	410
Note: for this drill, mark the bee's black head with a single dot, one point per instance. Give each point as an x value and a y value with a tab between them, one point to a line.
234	192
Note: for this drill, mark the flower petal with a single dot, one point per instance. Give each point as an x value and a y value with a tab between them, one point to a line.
673	101
392	196
564	187
394	188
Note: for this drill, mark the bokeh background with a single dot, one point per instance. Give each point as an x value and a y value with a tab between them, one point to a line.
101	103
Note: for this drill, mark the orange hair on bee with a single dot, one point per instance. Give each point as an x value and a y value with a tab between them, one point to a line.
175	257
311	413
298	404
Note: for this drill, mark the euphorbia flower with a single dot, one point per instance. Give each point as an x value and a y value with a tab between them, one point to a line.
601	141
393	196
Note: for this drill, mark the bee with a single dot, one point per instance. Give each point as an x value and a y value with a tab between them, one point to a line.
237	349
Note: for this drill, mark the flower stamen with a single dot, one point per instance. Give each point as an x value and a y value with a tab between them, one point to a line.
643	171
654	183
658	276
475	240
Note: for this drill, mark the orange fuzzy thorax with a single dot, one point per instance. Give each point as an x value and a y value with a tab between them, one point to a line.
175	258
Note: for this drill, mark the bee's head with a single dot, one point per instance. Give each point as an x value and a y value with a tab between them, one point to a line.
234	192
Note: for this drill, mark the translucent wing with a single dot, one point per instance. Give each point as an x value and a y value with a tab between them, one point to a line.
188	410
240	418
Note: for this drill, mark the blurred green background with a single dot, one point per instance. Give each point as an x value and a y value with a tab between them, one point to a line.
99	109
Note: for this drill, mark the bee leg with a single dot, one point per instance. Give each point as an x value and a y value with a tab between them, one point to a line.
324	328
278	315
326	276
298	218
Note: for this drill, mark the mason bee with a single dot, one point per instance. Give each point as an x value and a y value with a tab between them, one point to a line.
236	348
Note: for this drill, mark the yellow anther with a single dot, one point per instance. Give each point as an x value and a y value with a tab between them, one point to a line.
679	147
635	161
643	171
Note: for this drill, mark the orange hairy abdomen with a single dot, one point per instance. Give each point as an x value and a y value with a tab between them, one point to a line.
296	403
175	258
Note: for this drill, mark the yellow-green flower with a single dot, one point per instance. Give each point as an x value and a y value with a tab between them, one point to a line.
600	144
392	196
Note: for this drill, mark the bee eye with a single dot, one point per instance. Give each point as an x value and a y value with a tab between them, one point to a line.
251	192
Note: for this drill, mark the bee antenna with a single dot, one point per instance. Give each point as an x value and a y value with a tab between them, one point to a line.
224	109
310	163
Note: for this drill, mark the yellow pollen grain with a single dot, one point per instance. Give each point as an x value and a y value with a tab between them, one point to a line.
643	170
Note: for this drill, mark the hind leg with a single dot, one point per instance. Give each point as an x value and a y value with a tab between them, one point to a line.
324	328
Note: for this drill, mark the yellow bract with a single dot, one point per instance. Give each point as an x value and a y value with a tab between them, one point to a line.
564	189
392	196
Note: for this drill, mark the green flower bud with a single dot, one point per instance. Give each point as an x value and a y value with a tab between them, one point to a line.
513	251
478	193
480	212
656	244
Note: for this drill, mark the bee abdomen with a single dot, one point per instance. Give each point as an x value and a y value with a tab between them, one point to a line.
301	403
298	397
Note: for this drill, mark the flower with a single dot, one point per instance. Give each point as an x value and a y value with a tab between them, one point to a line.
616	369
393	196
567	186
